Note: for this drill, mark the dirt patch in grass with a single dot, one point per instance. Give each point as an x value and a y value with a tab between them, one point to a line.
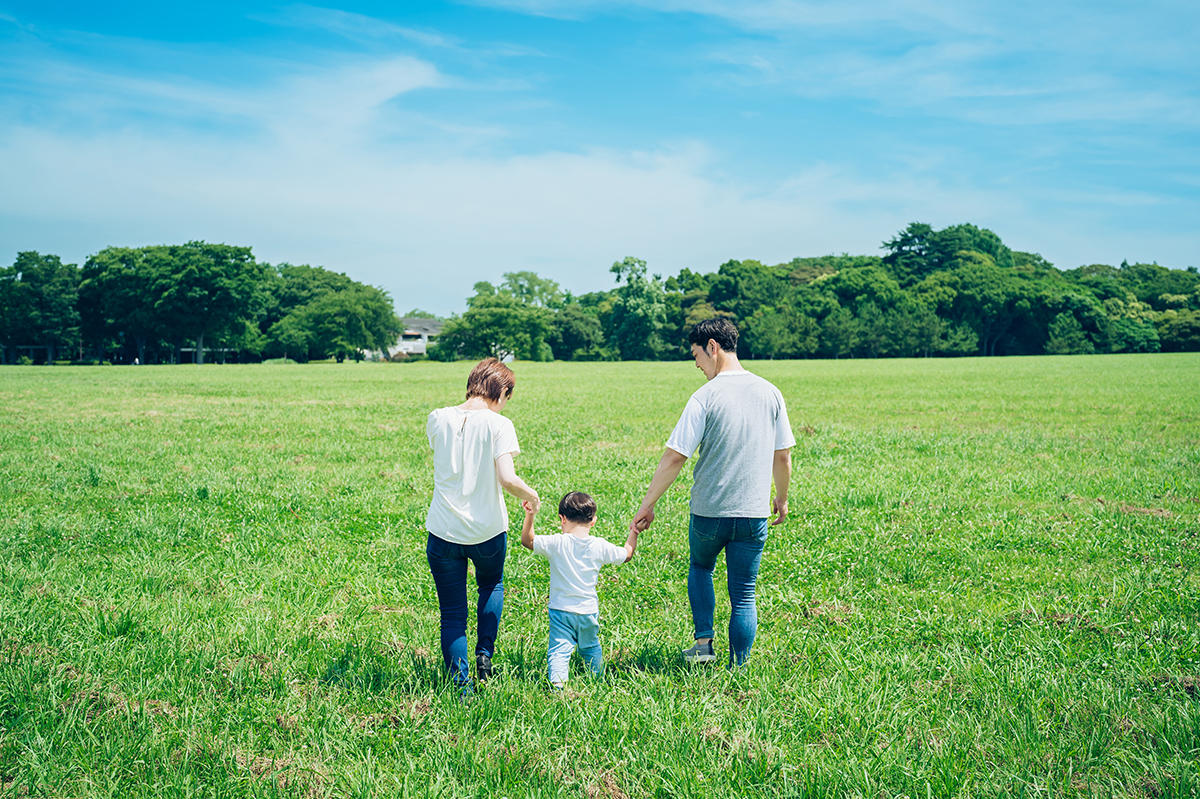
831	611
1188	684
289	775
606	788
1161	513
1080	621
328	622
414	712
113	703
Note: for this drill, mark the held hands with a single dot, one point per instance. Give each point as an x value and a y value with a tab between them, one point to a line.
642	521
532	506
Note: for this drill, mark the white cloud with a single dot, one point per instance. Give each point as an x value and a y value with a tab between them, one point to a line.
325	162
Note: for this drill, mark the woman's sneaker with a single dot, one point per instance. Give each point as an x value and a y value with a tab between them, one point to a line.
700	653
483	667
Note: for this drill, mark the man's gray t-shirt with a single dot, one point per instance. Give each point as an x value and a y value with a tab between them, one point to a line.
737	420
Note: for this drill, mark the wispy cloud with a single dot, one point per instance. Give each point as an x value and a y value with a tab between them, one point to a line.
356	27
375	156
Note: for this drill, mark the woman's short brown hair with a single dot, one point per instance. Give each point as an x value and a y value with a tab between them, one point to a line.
491	379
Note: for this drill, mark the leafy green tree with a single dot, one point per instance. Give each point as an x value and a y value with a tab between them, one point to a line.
528	288
988	298
919	250
1179	331
639	313
117	297
577	335
873	331
839	333
927	331
908	258
205	289
38	297
496	325
770	334
1067	337
340	325
959	340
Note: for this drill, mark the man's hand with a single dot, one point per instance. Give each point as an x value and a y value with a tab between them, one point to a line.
779	508
642	521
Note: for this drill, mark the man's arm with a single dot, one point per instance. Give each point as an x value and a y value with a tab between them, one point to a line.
527	527
781	471
664	476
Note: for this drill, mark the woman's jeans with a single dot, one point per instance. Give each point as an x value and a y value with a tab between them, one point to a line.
448	563
743	540
568	630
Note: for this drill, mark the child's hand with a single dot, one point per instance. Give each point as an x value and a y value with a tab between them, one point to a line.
528	506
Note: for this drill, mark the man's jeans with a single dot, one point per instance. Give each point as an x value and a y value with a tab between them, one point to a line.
448	563
743	540
568	630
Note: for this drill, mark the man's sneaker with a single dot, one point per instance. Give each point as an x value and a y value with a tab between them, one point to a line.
483	667
700	653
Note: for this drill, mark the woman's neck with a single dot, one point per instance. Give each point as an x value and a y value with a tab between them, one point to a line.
479	404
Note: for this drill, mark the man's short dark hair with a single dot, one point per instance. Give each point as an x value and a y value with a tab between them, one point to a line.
577	507
718	329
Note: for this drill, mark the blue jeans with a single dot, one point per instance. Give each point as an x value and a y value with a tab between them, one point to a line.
448	564
568	630
743	540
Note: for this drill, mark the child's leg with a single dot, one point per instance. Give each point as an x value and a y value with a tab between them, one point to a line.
562	644
587	629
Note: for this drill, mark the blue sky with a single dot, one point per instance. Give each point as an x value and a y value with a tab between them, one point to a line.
424	146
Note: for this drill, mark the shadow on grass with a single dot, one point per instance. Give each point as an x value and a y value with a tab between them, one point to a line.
648	659
378	669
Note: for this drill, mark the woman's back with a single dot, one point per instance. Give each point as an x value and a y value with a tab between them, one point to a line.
467	505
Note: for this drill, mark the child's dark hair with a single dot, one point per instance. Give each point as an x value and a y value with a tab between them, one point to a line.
577	507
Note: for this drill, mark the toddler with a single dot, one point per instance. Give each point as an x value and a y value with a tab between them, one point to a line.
575	557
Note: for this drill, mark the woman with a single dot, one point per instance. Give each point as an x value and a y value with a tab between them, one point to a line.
473	448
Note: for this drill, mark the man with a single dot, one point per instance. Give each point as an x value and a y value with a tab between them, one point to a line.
739	423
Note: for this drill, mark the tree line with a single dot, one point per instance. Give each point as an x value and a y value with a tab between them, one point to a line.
953	292
164	304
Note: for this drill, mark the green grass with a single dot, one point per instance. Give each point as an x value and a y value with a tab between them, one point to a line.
213	584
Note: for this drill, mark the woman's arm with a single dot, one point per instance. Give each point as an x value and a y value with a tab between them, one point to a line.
506	473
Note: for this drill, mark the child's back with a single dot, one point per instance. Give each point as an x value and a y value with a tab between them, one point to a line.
575	563
575	557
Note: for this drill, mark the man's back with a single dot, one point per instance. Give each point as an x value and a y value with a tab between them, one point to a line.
738	420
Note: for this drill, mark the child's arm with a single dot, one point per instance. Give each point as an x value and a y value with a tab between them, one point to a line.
527	527
630	545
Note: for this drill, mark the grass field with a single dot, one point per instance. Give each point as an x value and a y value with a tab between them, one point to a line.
213	584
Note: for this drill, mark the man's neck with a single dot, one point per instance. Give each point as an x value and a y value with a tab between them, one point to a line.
728	362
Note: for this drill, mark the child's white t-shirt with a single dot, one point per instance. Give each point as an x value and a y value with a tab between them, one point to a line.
467	505
575	567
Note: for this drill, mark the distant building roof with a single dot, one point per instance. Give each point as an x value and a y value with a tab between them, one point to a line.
419	324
